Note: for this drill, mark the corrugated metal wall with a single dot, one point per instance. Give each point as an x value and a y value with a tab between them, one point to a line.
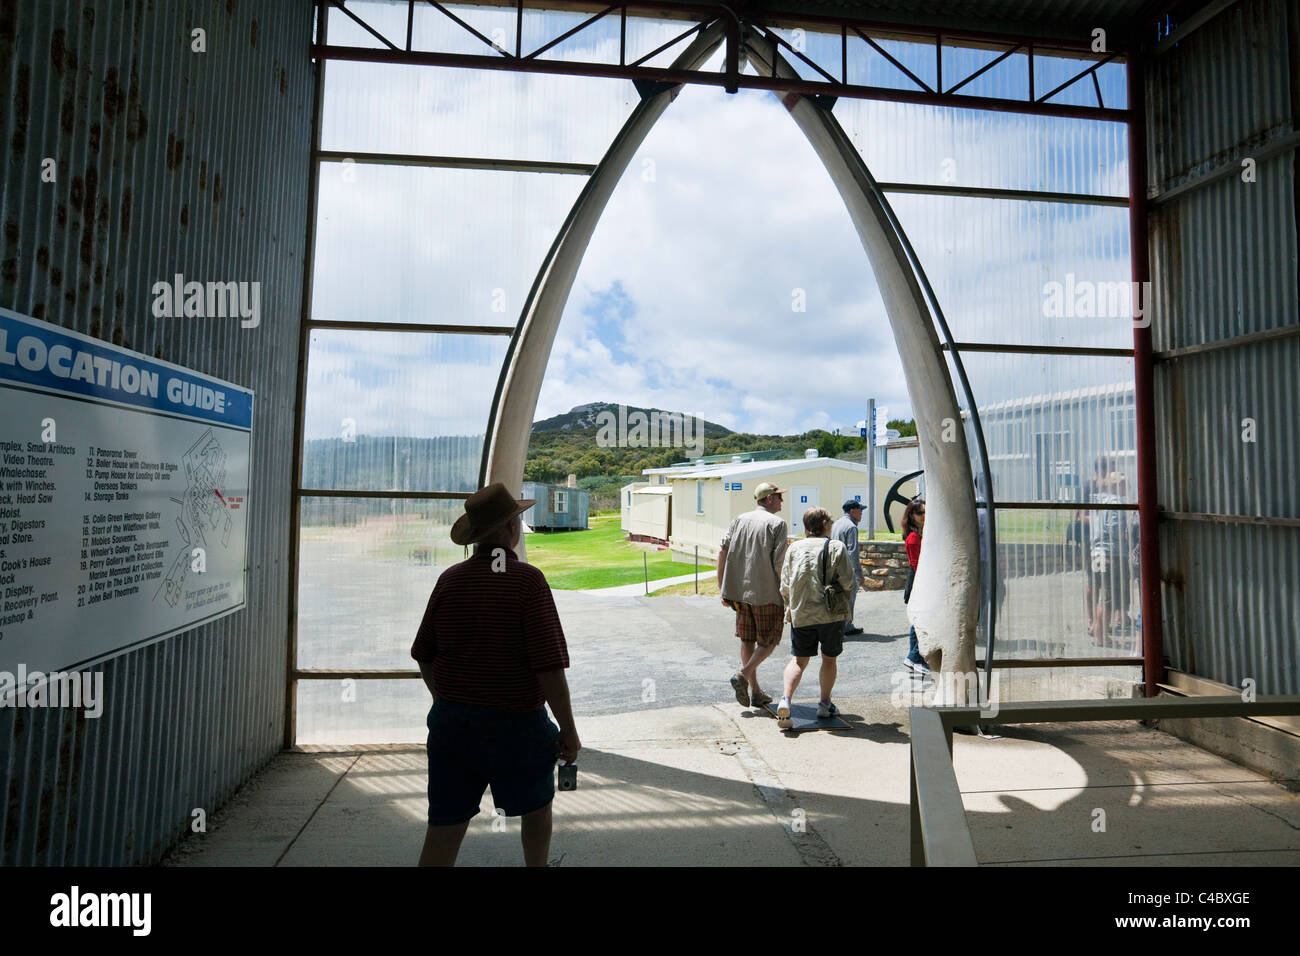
168	161
1224	263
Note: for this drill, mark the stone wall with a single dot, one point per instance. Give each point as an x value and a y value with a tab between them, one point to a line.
884	564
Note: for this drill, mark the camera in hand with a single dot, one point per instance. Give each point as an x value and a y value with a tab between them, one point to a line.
568	776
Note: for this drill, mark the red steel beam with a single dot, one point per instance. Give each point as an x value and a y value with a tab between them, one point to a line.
1153	663
743	81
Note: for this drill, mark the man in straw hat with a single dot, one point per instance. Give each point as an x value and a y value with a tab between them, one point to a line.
491	650
749	578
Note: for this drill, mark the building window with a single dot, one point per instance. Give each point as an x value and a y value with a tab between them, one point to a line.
699	497
629	499
561	505
1123	429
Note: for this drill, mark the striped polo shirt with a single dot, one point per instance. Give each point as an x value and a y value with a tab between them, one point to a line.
490	633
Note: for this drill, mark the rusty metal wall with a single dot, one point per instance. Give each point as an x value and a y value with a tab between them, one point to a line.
1224	263
168	161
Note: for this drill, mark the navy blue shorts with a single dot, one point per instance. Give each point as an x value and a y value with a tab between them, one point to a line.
804	640
472	748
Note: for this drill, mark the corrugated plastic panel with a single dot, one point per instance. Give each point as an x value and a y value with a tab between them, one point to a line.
1009	271
1231	603
944	146
1223	263
1223	258
168	161
1227	440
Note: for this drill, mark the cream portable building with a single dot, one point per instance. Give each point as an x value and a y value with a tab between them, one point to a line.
705	501
647	511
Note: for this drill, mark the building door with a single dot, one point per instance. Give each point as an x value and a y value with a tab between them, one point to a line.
801	498
1056	474
857	492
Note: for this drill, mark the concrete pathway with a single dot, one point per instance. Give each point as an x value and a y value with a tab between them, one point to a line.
674	771
721	786
632	590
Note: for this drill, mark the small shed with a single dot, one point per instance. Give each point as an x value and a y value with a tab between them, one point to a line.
558	508
647	511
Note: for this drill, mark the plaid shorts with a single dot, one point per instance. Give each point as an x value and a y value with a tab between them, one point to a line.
760	622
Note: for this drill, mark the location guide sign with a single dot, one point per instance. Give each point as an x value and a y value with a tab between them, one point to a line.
123	497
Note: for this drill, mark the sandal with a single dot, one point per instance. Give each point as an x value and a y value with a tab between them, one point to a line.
741	687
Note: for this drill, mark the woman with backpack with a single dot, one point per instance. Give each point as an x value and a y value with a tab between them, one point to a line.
816	581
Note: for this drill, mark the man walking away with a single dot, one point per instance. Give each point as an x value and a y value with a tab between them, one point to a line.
845	529
749	578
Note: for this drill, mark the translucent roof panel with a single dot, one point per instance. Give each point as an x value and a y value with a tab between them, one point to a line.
446	111
433	245
398	411
1025	273
933	145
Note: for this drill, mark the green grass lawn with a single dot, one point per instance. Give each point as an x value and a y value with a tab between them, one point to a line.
599	557
708	586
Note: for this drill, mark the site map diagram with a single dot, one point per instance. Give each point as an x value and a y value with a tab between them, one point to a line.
204	518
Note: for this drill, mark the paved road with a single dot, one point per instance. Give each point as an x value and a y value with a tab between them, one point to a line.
687	646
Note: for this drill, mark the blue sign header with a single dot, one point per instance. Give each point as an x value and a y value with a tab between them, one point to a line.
50	358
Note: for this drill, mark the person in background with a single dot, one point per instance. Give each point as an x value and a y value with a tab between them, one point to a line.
1081	530
845	529
1109	557
812	563
913	529
749	579
491	651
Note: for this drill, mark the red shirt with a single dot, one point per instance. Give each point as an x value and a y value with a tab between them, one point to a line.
490	633
913	545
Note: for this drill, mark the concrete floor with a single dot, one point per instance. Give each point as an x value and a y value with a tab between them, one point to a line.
673	771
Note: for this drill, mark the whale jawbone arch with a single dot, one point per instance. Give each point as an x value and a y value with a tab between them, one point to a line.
944	606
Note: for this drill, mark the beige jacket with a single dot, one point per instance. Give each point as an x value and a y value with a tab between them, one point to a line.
755	544
801	583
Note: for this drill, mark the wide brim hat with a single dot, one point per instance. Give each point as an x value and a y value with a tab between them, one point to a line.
486	510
